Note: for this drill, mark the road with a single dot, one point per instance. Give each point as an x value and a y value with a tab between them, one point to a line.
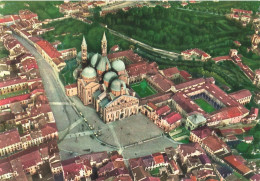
145	46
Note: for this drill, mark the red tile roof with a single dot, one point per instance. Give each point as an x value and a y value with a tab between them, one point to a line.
202	132
172	117
129	54
221	58
8	138
214	143
12	82
242	11
5	167
170	71
241	94
14	99
158	158
227	113
48	129
163	110
30	159
185	75
49	49
29	64
196	51
141	68
152	105
237	164
190	83
162	82
71	86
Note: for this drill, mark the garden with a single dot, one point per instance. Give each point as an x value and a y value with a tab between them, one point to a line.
205	105
143	89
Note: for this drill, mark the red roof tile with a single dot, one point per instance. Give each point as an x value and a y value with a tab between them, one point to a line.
163	110
237	164
49	49
129	54
172	117
158	158
12	82
214	143
49	128
170	71
8	138
241	94
14	99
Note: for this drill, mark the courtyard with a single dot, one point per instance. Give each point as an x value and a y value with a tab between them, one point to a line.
143	89
205	105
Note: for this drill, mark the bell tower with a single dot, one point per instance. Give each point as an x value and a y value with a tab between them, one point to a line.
84	49
104	45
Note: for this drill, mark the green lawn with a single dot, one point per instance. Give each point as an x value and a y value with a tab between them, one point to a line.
13	94
205	105
155	172
147	91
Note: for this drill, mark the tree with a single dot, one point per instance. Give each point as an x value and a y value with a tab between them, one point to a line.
242	147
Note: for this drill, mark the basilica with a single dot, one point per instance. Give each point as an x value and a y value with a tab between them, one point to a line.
103	84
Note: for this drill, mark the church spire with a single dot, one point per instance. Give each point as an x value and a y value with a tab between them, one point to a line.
84	50
84	41
104	45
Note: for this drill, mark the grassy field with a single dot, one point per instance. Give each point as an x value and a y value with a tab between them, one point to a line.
205	105
148	91
13	94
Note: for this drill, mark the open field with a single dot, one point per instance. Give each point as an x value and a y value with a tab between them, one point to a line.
143	92
205	105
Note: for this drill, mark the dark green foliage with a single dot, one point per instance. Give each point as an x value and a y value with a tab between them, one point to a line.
177	30
44	9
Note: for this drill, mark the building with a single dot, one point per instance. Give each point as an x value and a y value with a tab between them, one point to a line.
194	121
257	78
111	97
187	54
76	168
243	96
50	54
71	90
10	142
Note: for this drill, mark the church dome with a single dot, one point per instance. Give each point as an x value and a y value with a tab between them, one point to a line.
118	65
94	60
89	72
103	63
110	76
117	84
